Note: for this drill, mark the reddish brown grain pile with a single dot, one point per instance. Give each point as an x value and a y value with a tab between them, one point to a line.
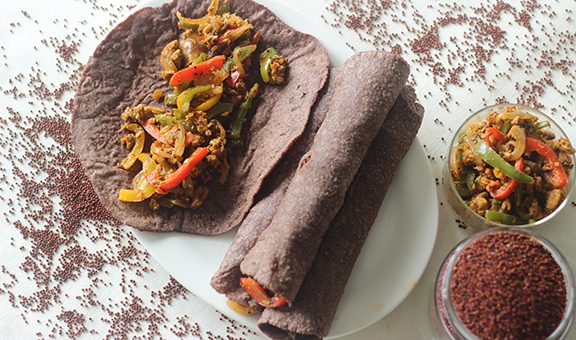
506	285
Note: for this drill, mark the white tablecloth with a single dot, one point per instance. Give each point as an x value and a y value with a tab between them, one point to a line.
530	53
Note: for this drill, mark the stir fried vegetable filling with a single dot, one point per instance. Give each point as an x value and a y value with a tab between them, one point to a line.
511	168
182	146
259	294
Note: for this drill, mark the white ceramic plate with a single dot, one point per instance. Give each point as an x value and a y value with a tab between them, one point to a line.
392	260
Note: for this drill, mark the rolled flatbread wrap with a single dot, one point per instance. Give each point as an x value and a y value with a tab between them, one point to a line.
124	70
314	308
364	93
227	279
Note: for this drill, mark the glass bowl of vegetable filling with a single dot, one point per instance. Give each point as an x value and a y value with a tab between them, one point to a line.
509	164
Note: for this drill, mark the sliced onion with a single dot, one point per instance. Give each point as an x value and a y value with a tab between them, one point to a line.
456	161
180	143
518	139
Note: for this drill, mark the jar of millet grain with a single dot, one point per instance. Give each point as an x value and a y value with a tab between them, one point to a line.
504	283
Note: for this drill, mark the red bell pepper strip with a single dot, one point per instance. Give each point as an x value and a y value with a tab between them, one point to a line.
493	134
255	290
153	130
184	171
559	178
508	188
193	72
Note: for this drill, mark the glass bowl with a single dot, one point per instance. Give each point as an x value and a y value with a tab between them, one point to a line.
468	216
447	323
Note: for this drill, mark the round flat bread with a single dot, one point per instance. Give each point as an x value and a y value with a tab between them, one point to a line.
125	69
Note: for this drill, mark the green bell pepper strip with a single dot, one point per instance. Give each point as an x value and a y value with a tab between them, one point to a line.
178	114
493	158
236	127
165	119
503	218
245	51
184	99
470	178
170	99
239	55
265	61
506	127
219	109
181	88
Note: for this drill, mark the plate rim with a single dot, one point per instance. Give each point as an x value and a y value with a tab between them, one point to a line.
434	209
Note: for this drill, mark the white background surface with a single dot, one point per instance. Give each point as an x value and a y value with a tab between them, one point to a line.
411	319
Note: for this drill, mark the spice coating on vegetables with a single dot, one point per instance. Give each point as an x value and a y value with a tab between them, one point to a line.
511	168
183	144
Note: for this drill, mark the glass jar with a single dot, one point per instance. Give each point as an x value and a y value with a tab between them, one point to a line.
446	321
468	216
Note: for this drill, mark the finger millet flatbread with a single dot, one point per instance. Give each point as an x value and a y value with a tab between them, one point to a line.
227	279
311	314
365	92
125	69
